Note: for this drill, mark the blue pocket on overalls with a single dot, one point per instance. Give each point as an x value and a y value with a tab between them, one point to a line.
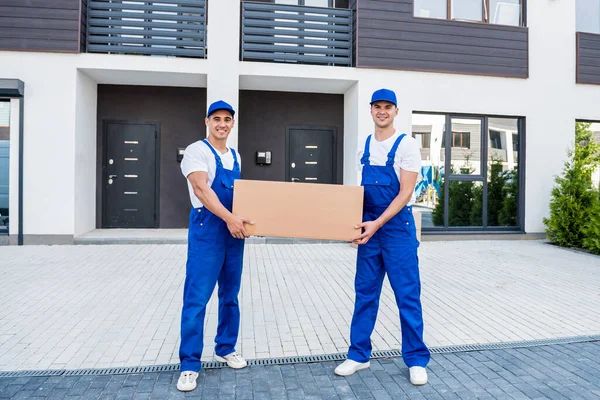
198	222
227	182
370	178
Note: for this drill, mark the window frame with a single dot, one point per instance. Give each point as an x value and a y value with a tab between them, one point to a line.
520	167
425	144
493	140
515	142
331	3
485	17
462	136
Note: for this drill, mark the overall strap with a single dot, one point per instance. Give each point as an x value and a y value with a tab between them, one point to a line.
217	158
366	154
236	165
392	154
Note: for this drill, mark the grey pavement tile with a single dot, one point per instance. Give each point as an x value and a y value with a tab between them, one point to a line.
100	381
91	394
243	393
58	393
10	390
23	394
295	394
133	380
381	395
45	389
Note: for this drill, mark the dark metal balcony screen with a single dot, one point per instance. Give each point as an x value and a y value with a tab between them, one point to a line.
166	27
296	34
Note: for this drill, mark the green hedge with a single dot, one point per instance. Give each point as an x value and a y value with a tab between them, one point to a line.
575	205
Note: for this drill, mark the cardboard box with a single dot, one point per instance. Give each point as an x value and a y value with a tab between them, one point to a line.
299	210
417	216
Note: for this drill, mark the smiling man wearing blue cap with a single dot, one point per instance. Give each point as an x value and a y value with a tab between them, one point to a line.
215	246
390	164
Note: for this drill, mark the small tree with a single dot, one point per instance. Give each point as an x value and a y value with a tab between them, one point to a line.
495	192
573	199
437	214
460	197
508	214
477	205
591	231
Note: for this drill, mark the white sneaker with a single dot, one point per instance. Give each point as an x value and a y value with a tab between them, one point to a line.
187	381
234	360
418	376
349	367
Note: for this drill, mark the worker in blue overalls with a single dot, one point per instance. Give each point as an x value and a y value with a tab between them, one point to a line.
388	244
215	246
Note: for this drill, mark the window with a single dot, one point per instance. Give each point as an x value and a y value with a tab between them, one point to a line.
495	140
4	113
431	8
423	138
469	187
505	12
500	12
470	10
461	140
311	3
588	16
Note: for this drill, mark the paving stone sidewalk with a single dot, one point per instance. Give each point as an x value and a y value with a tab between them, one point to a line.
71	307
569	371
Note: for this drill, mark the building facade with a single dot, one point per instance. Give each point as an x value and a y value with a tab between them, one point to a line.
99	98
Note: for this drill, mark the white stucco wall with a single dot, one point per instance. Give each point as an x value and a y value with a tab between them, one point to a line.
351	116
59	117
60	129
223	58
86	99
48	139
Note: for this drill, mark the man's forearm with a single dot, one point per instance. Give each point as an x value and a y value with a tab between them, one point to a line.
395	206
209	199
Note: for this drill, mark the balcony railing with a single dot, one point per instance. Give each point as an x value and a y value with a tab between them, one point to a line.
166	27
296	34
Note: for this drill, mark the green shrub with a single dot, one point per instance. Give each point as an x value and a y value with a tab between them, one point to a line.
591	231
573	198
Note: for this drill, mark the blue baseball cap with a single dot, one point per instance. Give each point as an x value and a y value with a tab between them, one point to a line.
384	95
220	105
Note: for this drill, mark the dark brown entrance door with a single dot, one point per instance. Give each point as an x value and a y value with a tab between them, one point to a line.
311	155
130	166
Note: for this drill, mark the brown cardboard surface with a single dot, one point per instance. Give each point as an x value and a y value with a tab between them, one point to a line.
417	216
299	210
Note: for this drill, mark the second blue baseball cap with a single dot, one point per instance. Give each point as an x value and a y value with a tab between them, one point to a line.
220	105
384	95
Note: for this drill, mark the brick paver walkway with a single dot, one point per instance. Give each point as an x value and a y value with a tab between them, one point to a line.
70	307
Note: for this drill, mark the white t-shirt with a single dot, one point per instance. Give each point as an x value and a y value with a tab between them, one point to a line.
408	155
198	157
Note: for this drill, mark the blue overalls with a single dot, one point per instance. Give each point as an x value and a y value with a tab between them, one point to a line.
213	256
391	250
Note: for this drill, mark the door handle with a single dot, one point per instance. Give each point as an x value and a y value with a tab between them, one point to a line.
295	179
112	176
